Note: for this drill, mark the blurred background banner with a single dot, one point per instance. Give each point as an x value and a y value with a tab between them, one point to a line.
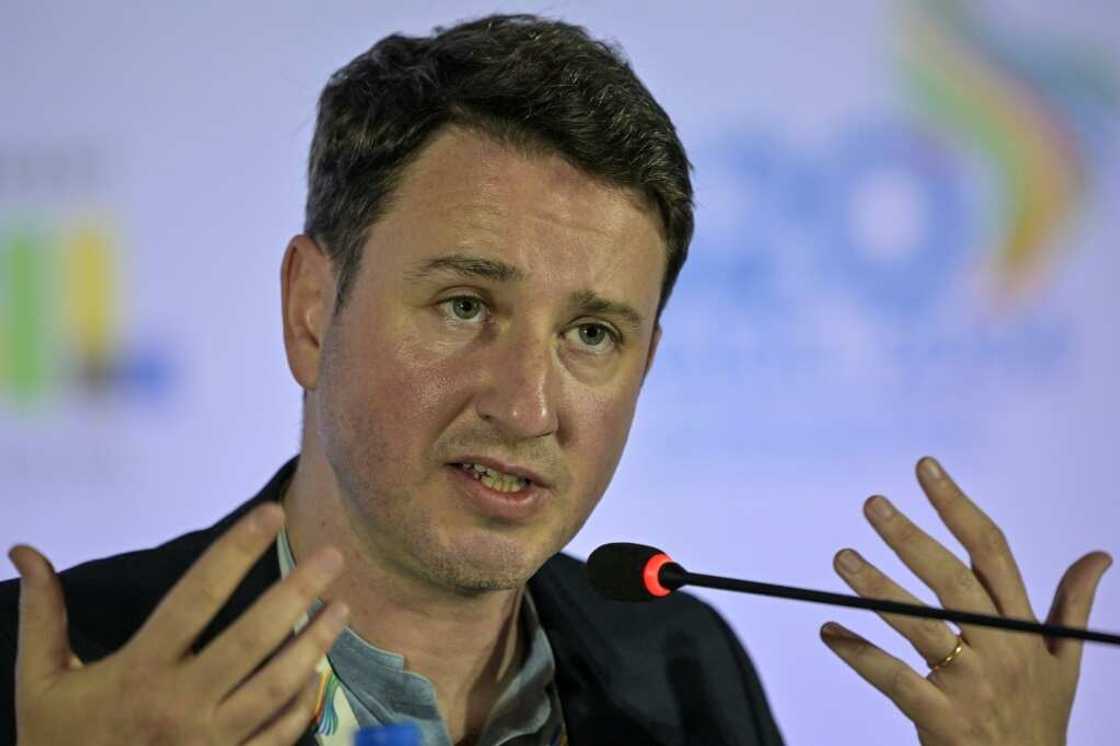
906	244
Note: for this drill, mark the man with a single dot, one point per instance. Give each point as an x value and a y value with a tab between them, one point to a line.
496	218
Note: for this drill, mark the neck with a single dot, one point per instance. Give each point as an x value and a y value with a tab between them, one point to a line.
467	646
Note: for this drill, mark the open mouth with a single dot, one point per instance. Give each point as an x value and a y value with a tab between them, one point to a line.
494	479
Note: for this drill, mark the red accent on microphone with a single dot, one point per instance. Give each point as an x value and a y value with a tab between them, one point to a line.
651	573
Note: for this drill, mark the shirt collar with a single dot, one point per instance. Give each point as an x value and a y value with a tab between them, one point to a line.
380	684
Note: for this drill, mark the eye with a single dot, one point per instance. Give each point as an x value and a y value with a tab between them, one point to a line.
464	307
597	337
592	335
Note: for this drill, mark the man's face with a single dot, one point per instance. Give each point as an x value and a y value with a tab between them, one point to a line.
504	316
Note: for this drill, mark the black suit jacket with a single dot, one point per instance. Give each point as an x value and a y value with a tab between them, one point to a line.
665	673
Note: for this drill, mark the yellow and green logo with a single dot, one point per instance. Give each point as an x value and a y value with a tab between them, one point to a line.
62	330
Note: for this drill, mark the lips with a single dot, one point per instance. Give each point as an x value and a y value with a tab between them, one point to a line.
498	501
504	468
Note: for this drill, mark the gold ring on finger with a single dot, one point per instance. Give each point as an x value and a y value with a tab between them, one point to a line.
950	657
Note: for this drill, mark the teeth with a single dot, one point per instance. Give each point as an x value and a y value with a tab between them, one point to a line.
503	483
495	480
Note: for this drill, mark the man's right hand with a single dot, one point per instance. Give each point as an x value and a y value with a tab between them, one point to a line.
155	689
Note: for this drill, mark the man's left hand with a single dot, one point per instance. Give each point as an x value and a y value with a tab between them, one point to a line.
1000	687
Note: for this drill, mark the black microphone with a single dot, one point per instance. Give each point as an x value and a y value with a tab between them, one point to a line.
635	572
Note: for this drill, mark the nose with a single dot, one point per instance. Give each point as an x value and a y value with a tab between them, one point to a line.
517	396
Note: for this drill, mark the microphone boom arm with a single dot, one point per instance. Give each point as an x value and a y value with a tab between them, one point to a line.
674	576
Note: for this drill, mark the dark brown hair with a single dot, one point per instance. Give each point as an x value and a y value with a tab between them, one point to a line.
526	81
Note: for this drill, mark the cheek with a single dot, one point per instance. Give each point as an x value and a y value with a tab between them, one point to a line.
601	426
390	400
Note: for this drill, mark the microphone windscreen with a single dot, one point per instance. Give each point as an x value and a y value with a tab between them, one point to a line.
618	570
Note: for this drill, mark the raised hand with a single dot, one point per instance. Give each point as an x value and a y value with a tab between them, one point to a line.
986	687
154	689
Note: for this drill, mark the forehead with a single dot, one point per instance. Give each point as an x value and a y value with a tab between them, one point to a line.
467	193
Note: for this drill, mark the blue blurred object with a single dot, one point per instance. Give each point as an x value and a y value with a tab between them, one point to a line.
399	734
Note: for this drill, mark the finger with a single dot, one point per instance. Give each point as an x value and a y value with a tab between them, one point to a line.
44	644
238	650
949	578
291	722
984	541
207	585
1073	602
263	694
932	639
918	699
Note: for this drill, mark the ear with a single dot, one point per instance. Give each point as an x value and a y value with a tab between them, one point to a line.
307	298
653	342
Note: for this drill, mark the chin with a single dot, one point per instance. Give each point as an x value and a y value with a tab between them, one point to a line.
485	563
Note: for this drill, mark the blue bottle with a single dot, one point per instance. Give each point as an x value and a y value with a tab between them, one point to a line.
398	734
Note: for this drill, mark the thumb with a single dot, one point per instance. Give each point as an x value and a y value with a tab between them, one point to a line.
44	646
1073	600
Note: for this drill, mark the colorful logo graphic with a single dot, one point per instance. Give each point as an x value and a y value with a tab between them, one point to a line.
1038	115
871	259
61	329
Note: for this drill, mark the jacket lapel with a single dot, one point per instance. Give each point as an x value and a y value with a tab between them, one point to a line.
599	707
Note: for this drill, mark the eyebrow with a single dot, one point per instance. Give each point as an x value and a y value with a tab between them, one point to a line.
467	265
588	301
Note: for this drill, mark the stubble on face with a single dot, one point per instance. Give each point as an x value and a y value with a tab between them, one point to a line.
398	393
358	448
